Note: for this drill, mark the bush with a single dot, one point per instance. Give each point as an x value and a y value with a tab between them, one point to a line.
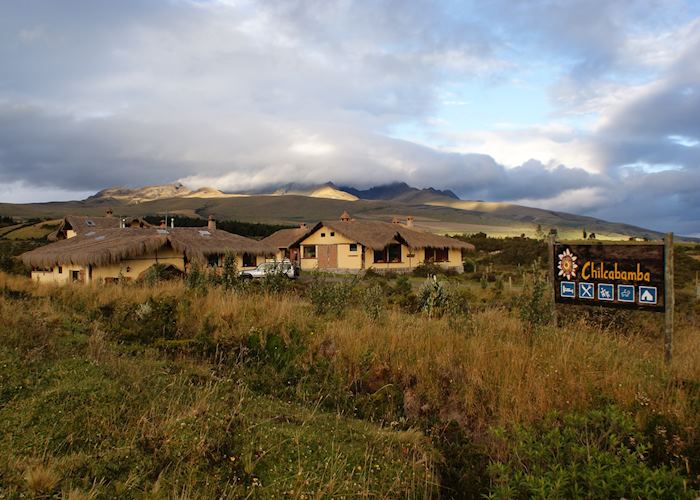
158	273
230	279
594	455
428	269
196	278
534	305
373	302
275	282
330	297
152	320
434	298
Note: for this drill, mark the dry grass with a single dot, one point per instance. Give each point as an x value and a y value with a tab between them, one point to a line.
484	372
41	480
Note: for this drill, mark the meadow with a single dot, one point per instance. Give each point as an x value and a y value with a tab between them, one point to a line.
380	386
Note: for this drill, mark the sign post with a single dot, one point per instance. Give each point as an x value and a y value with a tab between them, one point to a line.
670	298
624	274
552	280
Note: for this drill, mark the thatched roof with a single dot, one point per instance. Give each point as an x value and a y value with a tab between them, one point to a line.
84	224
285	238
101	247
378	234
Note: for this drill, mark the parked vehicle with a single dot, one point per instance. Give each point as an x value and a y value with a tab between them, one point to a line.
285	268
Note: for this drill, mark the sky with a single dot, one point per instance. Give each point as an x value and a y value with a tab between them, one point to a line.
585	106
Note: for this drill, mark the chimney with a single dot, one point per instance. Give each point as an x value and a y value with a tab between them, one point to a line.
109	212
345	217
212	223
395	220
409	221
162	223
303	225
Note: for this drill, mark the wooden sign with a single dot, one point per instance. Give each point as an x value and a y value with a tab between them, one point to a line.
610	274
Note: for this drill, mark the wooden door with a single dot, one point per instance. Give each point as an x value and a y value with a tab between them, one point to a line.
327	256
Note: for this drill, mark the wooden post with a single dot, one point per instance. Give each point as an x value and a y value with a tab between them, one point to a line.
697	286
552	241
669	299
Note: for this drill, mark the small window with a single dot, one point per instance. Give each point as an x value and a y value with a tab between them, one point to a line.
309	252
323	235
437	254
249	260
353	247
60	269
332	233
213	260
390	253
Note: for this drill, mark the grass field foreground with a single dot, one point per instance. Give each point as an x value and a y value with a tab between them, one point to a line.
168	390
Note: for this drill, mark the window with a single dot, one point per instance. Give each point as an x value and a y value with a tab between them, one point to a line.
309	252
213	260
353	247
390	253
60	269
332	233
248	260
437	254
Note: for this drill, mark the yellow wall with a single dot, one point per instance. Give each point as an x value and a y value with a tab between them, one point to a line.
54	277
410	258
133	267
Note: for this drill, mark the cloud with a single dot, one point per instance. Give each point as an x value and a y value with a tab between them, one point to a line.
243	95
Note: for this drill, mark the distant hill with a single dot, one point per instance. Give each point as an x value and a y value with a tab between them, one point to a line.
328	190
152	193
435	210
399	191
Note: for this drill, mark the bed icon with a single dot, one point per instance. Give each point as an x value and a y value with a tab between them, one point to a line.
568	289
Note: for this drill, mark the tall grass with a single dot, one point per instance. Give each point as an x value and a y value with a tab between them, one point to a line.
402	370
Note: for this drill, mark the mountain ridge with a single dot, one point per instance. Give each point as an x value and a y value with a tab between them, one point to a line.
434	210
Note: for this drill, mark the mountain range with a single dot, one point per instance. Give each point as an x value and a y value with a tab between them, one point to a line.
433	209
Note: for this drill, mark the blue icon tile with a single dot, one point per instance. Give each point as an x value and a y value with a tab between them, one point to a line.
568	289
606	291
648	295
625	293
586	291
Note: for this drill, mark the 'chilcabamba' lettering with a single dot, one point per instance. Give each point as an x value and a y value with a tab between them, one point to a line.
597	270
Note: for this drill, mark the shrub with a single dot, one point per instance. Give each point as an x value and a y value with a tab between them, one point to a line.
330	297
155	274
275	282
373	302
534	305
428	269
230	278
594	455
433	298
196	278
146	322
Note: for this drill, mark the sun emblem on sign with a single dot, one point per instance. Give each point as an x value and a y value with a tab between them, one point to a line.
567	264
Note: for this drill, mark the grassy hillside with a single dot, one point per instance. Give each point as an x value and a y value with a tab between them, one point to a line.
436	213
386	387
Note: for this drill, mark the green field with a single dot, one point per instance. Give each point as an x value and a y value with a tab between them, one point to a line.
338	387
